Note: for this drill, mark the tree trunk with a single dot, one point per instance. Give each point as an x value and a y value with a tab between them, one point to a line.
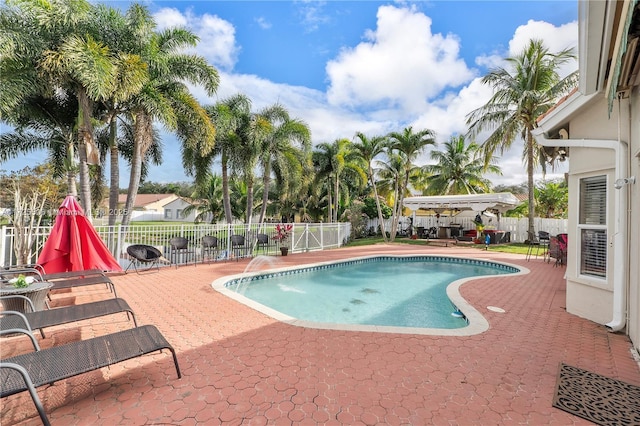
249	211
142	140
226	198
85	139
337	197
531	192
114	172
266	181
71	172
330	212
375	194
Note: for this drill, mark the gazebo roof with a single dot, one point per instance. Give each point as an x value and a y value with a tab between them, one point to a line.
501	202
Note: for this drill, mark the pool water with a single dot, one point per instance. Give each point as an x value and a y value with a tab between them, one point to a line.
387	291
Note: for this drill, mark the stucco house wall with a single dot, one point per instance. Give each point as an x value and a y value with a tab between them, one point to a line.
613	301
173	211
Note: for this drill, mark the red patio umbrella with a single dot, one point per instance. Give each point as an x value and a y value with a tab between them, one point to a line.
74	245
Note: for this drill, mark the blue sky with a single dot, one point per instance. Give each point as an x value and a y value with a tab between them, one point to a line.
370	66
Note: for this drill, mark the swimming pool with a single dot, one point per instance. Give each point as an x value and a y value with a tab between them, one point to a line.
409	294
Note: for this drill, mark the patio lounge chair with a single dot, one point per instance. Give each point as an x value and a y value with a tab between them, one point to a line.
28	371
37	320
141	253
69	279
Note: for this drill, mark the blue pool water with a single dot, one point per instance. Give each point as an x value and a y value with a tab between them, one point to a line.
383	291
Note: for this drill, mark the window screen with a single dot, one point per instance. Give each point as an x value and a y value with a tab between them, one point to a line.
592	226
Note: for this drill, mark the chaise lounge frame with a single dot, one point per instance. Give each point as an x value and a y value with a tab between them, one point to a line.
38	320
27	372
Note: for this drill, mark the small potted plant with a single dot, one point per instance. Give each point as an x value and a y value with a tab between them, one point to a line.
21	281
282	235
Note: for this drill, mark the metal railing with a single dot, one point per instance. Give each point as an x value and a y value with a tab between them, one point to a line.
303	237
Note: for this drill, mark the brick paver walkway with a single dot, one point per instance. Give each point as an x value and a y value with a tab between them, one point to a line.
240	366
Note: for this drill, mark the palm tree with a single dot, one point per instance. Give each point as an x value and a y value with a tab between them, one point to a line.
458	170
52	46
227	116
131	75
410	145
369	149
552	199
43	123
332	161
522	94
166	98
285	152
207	201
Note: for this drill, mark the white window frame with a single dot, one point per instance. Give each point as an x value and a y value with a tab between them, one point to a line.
593	227
179	214
167	214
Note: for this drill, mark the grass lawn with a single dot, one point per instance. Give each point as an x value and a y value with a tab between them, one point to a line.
518	248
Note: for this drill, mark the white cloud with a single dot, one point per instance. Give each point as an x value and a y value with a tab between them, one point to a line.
217	36
401	64
312	14
263	23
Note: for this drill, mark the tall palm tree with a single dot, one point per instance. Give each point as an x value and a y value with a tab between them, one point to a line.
522	93
131	75
332	161
285	152
410	144
166	98
227	116
458	170
369	149
52	45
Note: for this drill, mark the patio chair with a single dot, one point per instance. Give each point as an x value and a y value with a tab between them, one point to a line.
238	246
28	371
143	254
38	320
262	241
179	246
209	247
541	244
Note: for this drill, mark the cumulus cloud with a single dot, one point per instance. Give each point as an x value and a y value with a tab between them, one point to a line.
401	64
217	36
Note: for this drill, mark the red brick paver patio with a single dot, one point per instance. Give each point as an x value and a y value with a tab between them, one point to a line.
240	366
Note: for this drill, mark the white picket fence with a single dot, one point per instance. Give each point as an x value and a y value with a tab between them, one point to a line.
303	237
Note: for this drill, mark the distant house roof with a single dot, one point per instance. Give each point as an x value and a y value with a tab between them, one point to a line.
143	200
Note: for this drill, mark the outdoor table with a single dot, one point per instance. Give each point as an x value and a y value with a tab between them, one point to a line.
36	291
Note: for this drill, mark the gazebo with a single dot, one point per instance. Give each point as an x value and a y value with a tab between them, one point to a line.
494	202
499	202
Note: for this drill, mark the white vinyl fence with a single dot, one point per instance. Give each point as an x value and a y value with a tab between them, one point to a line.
303	237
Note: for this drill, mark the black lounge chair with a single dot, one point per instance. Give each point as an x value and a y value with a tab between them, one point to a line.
37	320
28	371
141	253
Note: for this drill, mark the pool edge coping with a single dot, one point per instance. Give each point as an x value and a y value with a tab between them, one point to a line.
477	323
